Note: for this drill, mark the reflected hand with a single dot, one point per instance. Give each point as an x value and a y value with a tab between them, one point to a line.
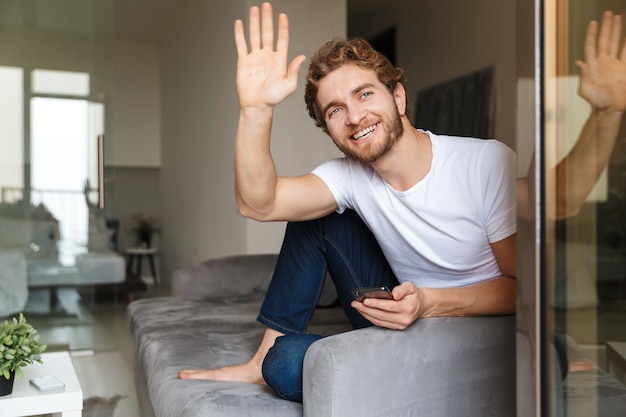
603	72
263	77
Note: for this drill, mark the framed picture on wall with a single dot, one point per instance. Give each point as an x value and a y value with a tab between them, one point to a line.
461	107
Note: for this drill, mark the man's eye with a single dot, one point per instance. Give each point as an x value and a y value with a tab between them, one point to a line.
333	112
366	94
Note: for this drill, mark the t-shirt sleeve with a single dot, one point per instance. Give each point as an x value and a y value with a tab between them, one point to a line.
498	174
335	174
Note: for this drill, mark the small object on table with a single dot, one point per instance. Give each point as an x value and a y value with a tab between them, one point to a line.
46	383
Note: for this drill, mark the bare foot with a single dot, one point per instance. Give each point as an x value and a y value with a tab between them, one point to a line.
580	366
246	372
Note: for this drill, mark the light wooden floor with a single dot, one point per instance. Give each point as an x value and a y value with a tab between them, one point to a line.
108	373
97	336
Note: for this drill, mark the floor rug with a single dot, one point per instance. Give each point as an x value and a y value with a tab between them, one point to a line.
100	407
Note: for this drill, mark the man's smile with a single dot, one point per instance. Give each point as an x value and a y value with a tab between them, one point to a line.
363	133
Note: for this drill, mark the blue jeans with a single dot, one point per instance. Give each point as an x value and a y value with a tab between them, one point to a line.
338	243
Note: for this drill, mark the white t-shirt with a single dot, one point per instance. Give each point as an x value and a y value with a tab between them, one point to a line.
437	234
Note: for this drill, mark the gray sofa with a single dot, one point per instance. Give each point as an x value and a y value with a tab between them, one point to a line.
437	367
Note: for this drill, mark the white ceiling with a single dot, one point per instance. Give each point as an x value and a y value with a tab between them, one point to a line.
133	19
137	19
142	19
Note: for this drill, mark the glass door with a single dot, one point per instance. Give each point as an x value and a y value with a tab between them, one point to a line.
56	239
572	280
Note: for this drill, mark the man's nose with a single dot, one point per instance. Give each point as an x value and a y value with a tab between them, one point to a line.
355	115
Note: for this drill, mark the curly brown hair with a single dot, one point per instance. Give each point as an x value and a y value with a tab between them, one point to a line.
338	52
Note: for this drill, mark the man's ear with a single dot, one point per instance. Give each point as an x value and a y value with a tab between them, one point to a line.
399	95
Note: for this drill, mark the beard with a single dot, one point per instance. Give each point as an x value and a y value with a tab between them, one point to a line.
372	152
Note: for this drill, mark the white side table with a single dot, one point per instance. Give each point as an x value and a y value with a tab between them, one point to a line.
138	254
27	401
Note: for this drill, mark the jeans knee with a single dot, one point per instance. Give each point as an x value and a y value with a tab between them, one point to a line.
283	365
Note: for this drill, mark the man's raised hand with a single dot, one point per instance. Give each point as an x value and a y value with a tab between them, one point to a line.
263	77
603	72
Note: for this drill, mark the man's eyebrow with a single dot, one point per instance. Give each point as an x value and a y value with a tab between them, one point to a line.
328	106
354	91
362	87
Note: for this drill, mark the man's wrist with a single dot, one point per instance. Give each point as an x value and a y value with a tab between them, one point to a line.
426	307
256	118
254	112
609	115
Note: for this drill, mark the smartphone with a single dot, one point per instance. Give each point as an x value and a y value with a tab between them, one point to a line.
46	383
372	292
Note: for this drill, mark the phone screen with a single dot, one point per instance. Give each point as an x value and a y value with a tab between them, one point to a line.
372	292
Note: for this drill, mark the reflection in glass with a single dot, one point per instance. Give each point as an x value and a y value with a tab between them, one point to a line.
60	82
11	131
585	215
55	248
59	169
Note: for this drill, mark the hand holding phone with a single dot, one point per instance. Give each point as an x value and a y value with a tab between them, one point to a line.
383	292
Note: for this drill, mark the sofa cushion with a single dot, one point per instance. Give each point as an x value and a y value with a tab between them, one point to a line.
175	333
245	275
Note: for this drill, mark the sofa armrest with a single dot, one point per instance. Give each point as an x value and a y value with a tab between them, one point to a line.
224	277
437	367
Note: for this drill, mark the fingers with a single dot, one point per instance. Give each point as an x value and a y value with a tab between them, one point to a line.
240	39
609	39
262	31
385	317
268	26
605	39
261	27
618	34
402	290
240	36
294	68
604	44
393	314
590	41
282	45
255	28
615	35
582	67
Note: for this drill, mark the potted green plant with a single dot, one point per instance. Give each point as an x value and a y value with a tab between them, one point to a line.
19	346
145	227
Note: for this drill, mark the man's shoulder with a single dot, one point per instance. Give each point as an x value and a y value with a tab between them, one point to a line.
467	145
461	140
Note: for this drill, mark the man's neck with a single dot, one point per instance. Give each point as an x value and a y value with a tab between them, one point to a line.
409	161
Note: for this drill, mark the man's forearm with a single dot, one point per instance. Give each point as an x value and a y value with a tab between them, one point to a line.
255	173
579	171
489	298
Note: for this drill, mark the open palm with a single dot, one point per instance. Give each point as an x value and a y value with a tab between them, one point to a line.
603	72
263	77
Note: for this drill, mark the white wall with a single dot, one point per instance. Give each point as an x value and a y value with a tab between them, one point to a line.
199	116
136	105
11	127
124	74
440	40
